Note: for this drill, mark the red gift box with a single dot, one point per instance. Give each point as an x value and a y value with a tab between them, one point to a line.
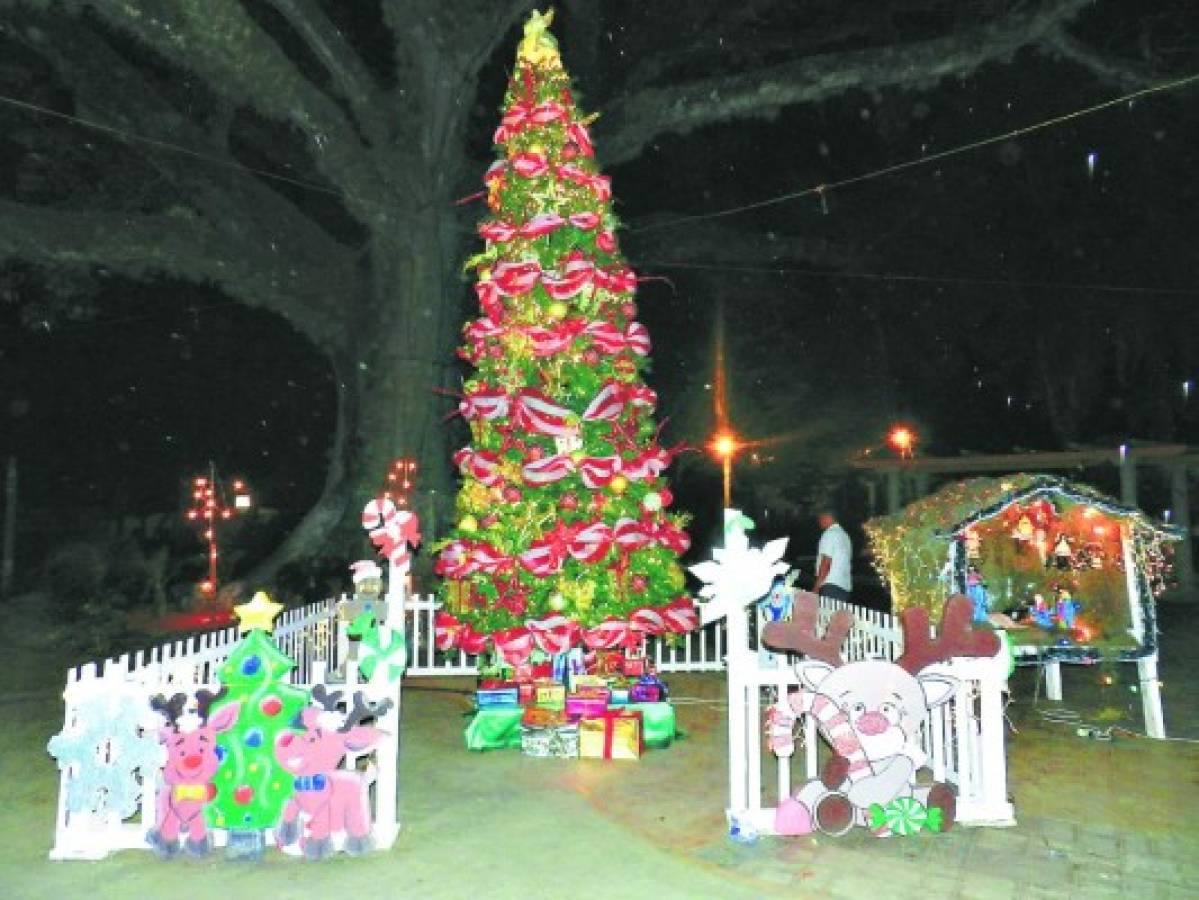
526	693
635	666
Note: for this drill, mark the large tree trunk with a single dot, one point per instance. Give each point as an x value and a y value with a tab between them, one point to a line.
396	361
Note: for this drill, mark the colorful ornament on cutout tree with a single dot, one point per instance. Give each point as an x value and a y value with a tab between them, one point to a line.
563	462
251	788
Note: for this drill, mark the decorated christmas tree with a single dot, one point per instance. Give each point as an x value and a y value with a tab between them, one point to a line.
251	786
564	531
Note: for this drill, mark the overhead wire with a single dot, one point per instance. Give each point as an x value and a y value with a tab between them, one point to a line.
823	188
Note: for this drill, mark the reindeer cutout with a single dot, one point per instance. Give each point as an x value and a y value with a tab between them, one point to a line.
327	798
871	713
192	760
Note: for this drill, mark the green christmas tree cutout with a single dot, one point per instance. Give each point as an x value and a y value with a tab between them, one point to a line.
251	787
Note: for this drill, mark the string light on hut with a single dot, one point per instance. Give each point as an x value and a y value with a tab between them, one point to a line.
211	505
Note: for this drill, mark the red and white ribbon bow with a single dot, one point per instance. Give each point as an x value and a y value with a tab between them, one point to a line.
547	341
575	274
609	339
591	543
554	635
609	635
608	404
598	471
482	465
514	644
631	534
584	220
541	225
547	470
513	279
485	403
497	232
534	411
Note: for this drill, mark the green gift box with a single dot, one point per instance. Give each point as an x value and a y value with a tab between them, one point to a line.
495	728
658	726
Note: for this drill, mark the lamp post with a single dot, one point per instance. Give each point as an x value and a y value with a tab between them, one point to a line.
902	440
725	446
400	479
210	506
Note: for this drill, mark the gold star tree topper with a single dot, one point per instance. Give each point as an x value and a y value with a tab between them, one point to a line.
260	612
538	47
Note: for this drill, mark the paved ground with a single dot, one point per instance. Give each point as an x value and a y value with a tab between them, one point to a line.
1095	819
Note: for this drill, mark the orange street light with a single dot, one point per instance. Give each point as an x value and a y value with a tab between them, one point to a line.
725	446
902	440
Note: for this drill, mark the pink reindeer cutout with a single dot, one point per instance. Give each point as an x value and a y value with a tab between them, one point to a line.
327	799
871	712
191	763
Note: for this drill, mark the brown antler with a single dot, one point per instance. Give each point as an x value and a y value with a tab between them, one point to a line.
330	701
955	636
172	709
363	710
205	698
799	634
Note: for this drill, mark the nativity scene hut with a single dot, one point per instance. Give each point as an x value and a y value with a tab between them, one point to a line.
1072	574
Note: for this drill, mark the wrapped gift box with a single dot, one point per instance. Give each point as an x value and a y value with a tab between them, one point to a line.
579	705
526	693
635	666
620	697
550	694
579	682
488	683
614	735
494	728
555	741
491	697
540	717
607	662
658	726
647	689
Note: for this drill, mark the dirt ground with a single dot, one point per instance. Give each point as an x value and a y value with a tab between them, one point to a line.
1108	818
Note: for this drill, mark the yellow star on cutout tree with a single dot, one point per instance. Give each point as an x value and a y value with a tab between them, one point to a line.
260	613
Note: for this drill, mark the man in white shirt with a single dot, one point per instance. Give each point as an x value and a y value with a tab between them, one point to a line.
833	560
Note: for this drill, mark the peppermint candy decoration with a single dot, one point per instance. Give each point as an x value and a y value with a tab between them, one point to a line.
903	816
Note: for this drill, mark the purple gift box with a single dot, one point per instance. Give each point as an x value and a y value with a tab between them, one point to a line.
647	689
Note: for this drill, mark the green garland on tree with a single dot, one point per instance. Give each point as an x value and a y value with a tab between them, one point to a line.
564	532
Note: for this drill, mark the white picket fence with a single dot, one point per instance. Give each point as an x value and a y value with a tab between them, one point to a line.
964	738
308	635
697	651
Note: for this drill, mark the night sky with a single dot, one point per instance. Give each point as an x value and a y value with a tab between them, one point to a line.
1034	292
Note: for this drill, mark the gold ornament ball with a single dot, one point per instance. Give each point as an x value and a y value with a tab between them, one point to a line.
468	524
557	602
619	484
558	310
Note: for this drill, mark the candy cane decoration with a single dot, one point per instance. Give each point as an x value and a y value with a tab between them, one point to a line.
392	531
832	722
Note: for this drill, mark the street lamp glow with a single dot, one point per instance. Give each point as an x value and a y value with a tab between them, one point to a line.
902	440
724	445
